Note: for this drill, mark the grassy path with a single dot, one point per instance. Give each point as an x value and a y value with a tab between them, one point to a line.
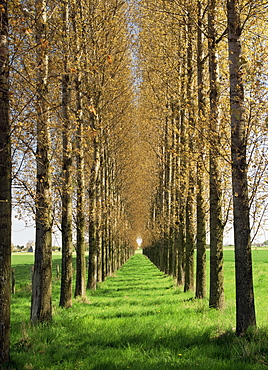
139	320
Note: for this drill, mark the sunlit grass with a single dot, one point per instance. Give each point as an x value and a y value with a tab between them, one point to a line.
139	319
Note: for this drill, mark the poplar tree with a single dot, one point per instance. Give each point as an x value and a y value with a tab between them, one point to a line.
190	203
200	291
5	189
41	307
77	21
66	223
216	297
245	308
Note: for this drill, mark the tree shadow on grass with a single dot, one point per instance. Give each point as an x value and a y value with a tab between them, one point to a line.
121	331
142	350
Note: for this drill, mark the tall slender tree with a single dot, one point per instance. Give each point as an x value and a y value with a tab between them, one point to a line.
245	308
183	156
66	224
200	291
41	307
190	205
80	286
5	189
216	297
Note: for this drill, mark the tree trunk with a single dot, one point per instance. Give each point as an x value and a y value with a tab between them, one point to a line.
93	222
66	224
190	230
104	196
216	298
41	308
183	168
98	225
189	255
200	290
5	190
167	196
175	214
92	254
80	286
109	198
245	308
173	190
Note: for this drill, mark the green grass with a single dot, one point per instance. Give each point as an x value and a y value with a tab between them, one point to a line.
138	319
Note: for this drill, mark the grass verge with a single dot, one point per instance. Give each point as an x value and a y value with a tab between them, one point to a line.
139	319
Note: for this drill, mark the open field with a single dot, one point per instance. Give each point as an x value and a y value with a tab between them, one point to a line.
139	319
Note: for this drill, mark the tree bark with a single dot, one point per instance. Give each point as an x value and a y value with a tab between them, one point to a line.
66	223
167	173
245	308
41	308
183	168
98	220
200	290
190	215
190	244
93	232
92	254
80	285
5	190
216	298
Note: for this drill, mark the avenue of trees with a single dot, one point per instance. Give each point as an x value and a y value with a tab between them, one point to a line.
133	119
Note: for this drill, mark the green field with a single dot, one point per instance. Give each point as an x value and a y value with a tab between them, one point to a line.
138	319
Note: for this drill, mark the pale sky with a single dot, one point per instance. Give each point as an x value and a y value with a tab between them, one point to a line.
21	234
